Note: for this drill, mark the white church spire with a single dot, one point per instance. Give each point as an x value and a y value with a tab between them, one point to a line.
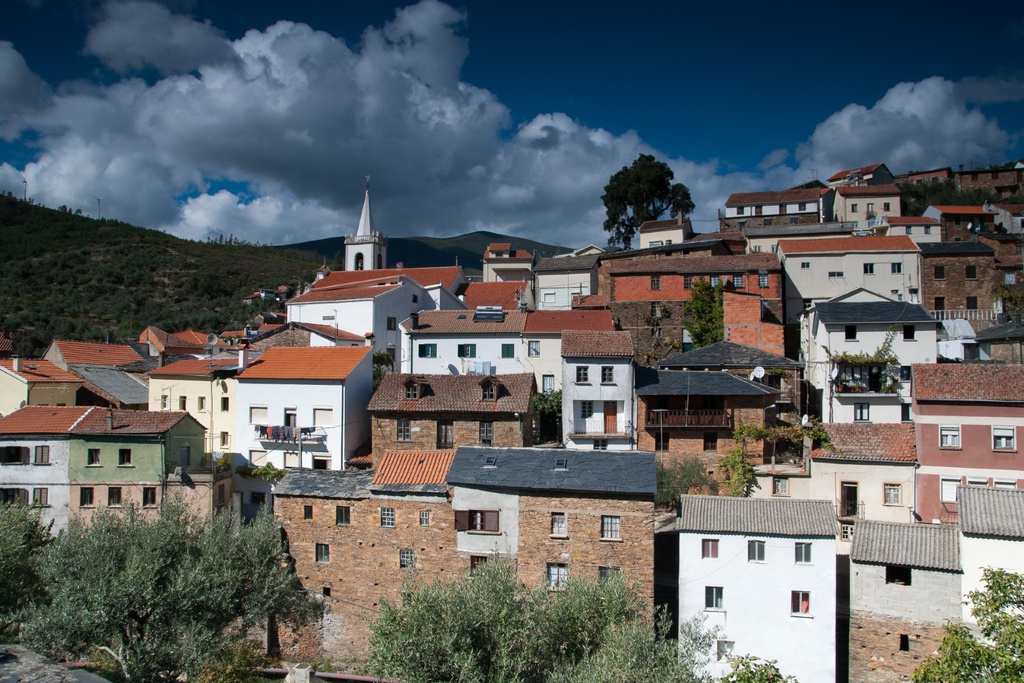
367	249
366	227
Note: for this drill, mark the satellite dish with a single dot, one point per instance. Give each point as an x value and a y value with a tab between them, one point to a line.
22	405
805	420
758	372
835	372
212	339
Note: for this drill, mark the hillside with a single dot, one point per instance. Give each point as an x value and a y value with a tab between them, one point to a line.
416	252
70	276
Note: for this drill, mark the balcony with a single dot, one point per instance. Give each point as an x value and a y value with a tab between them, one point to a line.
973	314
869	379
689	418
367	239
289	434
206	468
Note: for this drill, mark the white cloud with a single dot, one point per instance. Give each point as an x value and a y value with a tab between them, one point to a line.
22	93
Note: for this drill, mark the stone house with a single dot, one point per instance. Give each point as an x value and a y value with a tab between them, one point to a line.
872	174
438	412
701	244
1003	343
969	419
795	206
905	585
1005	182
542	340
1009	217
861	204
598	406
960	223
958	281
296	334
28	382
764	573
991	536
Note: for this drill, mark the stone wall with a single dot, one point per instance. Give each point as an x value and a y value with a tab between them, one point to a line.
654	338
688	442
1005	182
291	338
932	596
954	286
875	641
509	431
743	222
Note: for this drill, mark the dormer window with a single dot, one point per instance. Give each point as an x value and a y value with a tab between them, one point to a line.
490	461
412	391
490	392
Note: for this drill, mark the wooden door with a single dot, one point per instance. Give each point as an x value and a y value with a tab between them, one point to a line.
610	422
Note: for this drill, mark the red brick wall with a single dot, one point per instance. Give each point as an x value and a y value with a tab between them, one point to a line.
742	317
638	287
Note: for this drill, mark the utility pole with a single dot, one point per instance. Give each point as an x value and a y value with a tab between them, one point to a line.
25	196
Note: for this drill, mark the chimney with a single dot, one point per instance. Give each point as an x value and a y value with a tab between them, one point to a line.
160	359
110	420
414	321
399	265
17	363
243	358
679	217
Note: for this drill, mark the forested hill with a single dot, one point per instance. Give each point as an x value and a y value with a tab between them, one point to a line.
69	276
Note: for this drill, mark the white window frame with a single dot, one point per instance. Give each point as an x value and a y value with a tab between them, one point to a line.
780	486
755	550
533	348
949	436
611	527
714	598
559	524
1004	438
897	489
947	489
557	575
802	552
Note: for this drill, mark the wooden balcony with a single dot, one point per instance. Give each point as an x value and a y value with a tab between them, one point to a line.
689	418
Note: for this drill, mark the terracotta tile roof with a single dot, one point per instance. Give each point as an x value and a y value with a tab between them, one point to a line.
968	382
6	343
428	277
197	367
848	244
859	169
775	197
733	236
499	246
870	441
461	322
43	419
867	190
164	341
504	294
698	264
413	467
514	255
325	330
192	337
1008	261
39	371
541	322
95	353
911	220
454	393
589	343
129	421
591	301
342	293
306	363
664	224
959	208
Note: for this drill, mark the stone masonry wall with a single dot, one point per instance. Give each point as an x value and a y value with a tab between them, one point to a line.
291	338
875	655
509	432
654	338
954	287
688	442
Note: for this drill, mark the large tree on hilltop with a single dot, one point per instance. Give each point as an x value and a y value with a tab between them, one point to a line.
638	193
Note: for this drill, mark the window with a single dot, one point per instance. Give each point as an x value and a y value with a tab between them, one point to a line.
41	497
1002	438
972	302
606	573
896	268
851	333
905	373
949	436
940	272
477	520
713	597
655	309
257	497
836	274
655	283
687	282
740	210
445	434
559	524
910	230
940	303
586	409
780	486
85	497
201	401
971	272
342	515
656	243
607	374
476	560
714	280
861	412
805	265
392	323
486	431
802	553
800	602
709	549
225	404
124	457
323	552
533	348
42	455
1010	484
467	350
412	391
92	457
600	444
165	401
424	517
490	392
403	429
927	229
897	575
1009	278
737	281
258	415
307	512
893	494
948	490
182	403
149	496
886	206
582	374
406	559
845	531
762	280
869	268
905	415
387	518
908	332
114	496
547	383
427	350
724	650
755	551
508	350
610	526
558	575
806	303
853	208
871	206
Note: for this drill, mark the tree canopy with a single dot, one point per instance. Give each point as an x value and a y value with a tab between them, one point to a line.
641	192
705	314
21	539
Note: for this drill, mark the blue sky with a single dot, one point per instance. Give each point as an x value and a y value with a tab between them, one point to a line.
260	119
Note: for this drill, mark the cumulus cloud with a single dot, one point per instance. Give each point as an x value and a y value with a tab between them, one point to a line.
136	35
22	93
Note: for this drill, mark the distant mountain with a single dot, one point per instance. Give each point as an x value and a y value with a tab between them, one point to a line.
418	252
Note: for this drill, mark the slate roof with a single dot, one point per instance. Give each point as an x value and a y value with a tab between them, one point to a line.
553	322
805	229
591	344
734	263
328	331
504	294
846	245
39	371
776	197
968	382
461	322
761	516
859	169
867	312
43	419
1011	329
988	511
727	354
893	442
454	393
626	473
559	264
413	471
925	546
123	386
306	363
662	224
867	190
324	484
95	353
943	248
129	421
651	382
194	367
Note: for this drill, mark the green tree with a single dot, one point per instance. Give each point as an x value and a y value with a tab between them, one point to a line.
164	595
383	363
638	193
705	314
754	670
547	410
682	476
22	538
998	658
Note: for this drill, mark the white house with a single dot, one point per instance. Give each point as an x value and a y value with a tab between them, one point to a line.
858	350
598	402
560	278
991	536
542	340
763	572
485	341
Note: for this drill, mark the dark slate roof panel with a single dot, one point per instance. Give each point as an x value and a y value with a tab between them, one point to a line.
624	473
988	511
727	354
125	387
926	546
324	484
865	312
1011	330
696	383
943	248
767	516
566	263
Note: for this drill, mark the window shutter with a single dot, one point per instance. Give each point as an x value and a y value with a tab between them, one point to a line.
490	520
462	520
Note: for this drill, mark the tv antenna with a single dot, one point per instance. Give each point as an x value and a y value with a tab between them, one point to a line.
98	200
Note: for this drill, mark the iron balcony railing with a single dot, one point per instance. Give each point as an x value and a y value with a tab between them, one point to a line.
689	418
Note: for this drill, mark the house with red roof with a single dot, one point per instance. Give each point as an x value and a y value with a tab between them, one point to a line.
64	353
1009	217
664	232
508	296
31	382
504	263
872	174
598	406
796	206
162	343
541	350
483	341
205	388
969	419
961	223
921	229
861	204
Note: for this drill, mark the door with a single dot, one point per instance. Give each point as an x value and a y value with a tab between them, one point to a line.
610	421
445	434
848	499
